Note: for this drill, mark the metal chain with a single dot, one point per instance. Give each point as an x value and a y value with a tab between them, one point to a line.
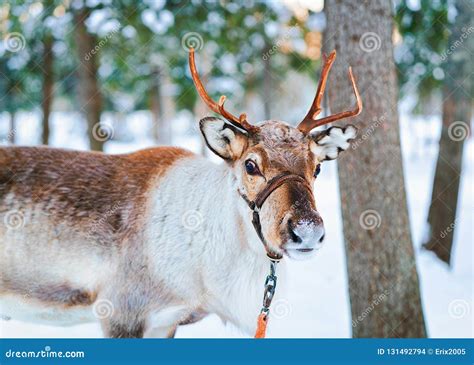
270	286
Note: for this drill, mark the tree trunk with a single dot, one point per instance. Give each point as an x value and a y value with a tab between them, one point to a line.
457	114
89	91
267	83
12	129
48	85
161	127
383	280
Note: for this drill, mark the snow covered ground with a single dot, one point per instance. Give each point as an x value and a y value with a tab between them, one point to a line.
317	304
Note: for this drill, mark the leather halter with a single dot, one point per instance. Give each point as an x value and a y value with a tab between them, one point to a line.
256	204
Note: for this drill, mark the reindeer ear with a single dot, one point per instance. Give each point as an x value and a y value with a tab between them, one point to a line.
329	143
224	139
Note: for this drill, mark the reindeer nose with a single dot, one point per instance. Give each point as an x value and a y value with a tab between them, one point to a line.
291	230
307	234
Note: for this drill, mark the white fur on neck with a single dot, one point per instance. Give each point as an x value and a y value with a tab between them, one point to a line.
203	244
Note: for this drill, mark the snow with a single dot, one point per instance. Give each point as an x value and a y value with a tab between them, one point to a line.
317	304
447	293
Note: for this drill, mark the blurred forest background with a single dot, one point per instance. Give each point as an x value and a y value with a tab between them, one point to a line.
113	76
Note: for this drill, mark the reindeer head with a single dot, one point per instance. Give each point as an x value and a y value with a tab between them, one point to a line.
276	164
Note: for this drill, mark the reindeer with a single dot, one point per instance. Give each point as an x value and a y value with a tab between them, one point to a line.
147	241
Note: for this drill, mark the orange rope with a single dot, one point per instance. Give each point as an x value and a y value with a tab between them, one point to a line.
261	326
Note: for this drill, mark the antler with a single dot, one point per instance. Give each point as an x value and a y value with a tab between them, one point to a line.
309	122
240	122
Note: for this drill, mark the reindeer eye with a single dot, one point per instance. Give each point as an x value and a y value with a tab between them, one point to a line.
318	170
251	167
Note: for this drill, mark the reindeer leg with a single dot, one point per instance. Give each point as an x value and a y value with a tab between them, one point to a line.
163	323
194	317
170	331
117	329
161	332
120	317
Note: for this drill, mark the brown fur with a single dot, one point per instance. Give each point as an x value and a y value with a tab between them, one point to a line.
100	193
58	295
281	149
101	198
121	330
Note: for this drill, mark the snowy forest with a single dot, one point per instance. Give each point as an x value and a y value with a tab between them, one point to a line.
113	77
